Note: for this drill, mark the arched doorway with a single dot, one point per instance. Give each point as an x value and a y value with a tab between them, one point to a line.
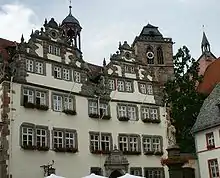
115	174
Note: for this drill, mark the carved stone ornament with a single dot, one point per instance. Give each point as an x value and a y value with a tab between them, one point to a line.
116	161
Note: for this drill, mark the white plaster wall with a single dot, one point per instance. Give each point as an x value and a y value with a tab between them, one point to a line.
67	60
39	51
27	163
54	57
203	154
133	76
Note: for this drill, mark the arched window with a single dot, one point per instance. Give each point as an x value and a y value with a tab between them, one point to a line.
160	56
150	55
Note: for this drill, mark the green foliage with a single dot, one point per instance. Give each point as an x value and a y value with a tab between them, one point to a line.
183	98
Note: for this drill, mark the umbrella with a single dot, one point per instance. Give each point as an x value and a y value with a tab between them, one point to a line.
130	176
94	176
54	176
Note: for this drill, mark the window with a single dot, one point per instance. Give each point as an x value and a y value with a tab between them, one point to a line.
129	111
77	77
103	108
57	72
132	113
40	98
213	168
65	139
34	137
112	84
30	65
152	144
54	50
100	146
121	86
39	68
128	86
96	171
28	96
160	56
57	103
129	69
129	143
210	140
154	172
64	103
150	114
149	89
136	171
68	103
143	88
66	74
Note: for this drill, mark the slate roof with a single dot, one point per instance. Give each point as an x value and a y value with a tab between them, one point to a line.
150	30
204	40
3	45
209	115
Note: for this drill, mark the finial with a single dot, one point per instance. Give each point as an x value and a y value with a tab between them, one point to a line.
119	44
70	7
104	63
45	21
22	38
32	32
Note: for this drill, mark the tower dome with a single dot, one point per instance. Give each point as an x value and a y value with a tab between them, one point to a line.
70	19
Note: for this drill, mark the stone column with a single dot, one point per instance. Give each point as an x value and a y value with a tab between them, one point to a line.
175	162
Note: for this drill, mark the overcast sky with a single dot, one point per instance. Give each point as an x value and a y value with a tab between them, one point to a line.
106	22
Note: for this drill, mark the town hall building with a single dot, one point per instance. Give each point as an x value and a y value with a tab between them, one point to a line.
63	115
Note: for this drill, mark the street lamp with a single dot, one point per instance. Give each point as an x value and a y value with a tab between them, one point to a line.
48	169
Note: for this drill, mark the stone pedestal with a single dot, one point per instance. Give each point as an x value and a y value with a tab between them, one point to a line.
175	162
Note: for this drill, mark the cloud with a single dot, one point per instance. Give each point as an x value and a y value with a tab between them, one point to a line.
16	19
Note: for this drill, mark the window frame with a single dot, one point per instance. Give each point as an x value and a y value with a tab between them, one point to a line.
152	150
64	147
154	169
210	169
34	69
208	145
98	109
54	50
136	169
79	80
127	112
98	134
129	151
62	68
112	86
150	118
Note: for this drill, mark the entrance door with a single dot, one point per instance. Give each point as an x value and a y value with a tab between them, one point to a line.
115	174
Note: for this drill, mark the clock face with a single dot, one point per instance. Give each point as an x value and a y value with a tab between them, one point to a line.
150	55
53	34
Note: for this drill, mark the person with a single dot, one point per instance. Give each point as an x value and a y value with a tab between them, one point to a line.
171	133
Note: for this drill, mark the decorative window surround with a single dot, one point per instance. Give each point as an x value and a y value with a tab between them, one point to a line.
106	143
34	137
213	168
152	144
96	171
126	112
102	113
136	171
63	103
150	114
125	86
36	66
52	49
210	140
156	172
61	72
145	88
34	98
129	144
64	140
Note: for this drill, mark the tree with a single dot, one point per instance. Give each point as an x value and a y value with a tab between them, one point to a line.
182	97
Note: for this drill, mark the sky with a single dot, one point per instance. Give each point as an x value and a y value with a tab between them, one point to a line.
106	22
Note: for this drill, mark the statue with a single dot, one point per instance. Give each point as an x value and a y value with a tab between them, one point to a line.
171	133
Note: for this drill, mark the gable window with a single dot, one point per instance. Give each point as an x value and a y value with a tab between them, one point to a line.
152	144
57	72
54	50
39	67
143	88
128	86
50	49
77	77
30	65
111	84
34	137
149	89
65	140
121	85
160	59
136	171
210	140
66	74
213	168
103	145
127	112
154	172
57	51
129	143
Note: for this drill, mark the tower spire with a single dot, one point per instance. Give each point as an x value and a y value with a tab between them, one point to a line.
205	45
70	7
